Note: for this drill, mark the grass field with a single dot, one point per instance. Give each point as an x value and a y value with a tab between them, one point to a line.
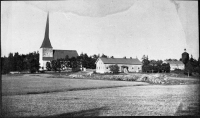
37	95
41	83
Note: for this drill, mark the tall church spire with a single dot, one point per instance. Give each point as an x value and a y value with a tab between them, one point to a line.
46	42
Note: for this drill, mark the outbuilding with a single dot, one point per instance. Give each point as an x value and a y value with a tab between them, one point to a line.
175	65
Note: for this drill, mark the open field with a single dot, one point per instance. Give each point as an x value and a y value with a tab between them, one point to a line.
42	83
35	95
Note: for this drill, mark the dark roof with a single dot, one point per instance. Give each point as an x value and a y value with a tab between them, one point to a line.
47	58
57	54
174	62
46	42
133	61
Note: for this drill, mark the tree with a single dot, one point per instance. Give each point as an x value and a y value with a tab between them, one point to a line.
145	64
10	65
67	62
165	67
18	62
114	68
48	66
5	65
33	62
24	62
145	60
59	64
189	68
105	56
193	62
56	65
95	57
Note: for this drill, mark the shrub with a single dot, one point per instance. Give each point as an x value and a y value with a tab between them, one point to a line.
188	69
33	70
94	72
76	69
114	68
178	71
48	66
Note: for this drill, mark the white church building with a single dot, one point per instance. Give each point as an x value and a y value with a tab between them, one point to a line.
47	53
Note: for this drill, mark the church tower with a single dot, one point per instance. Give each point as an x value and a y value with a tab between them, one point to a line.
46	50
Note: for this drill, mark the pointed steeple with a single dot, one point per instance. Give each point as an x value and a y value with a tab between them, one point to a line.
46	42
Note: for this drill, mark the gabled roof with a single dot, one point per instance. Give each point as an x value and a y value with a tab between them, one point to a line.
46	42
175	62
133	61
57	54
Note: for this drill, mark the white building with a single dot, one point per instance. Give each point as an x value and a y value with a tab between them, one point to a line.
175	65
47	53
125	64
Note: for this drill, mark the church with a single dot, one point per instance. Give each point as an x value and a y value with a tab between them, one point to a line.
47	53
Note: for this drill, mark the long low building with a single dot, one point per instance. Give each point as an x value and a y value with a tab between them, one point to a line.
125	64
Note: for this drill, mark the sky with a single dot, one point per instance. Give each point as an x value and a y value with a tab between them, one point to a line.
131	28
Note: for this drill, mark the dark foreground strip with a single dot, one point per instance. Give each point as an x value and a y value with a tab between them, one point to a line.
192	110
65	90
89	112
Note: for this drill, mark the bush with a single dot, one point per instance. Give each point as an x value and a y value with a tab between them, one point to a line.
188	69
197	70
94	72
114	68
178	71
48	66
33	70
76	69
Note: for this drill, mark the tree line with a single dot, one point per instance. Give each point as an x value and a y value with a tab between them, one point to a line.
20	62
191	65
154	66
30	62
75	63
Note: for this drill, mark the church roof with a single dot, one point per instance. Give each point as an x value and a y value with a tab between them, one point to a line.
46	42
133	61
57	54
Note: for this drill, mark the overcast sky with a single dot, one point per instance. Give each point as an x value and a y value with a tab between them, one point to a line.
160	29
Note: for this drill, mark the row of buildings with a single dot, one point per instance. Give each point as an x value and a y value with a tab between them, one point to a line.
129	65
47	53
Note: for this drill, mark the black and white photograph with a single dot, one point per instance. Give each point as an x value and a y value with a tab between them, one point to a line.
74	58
